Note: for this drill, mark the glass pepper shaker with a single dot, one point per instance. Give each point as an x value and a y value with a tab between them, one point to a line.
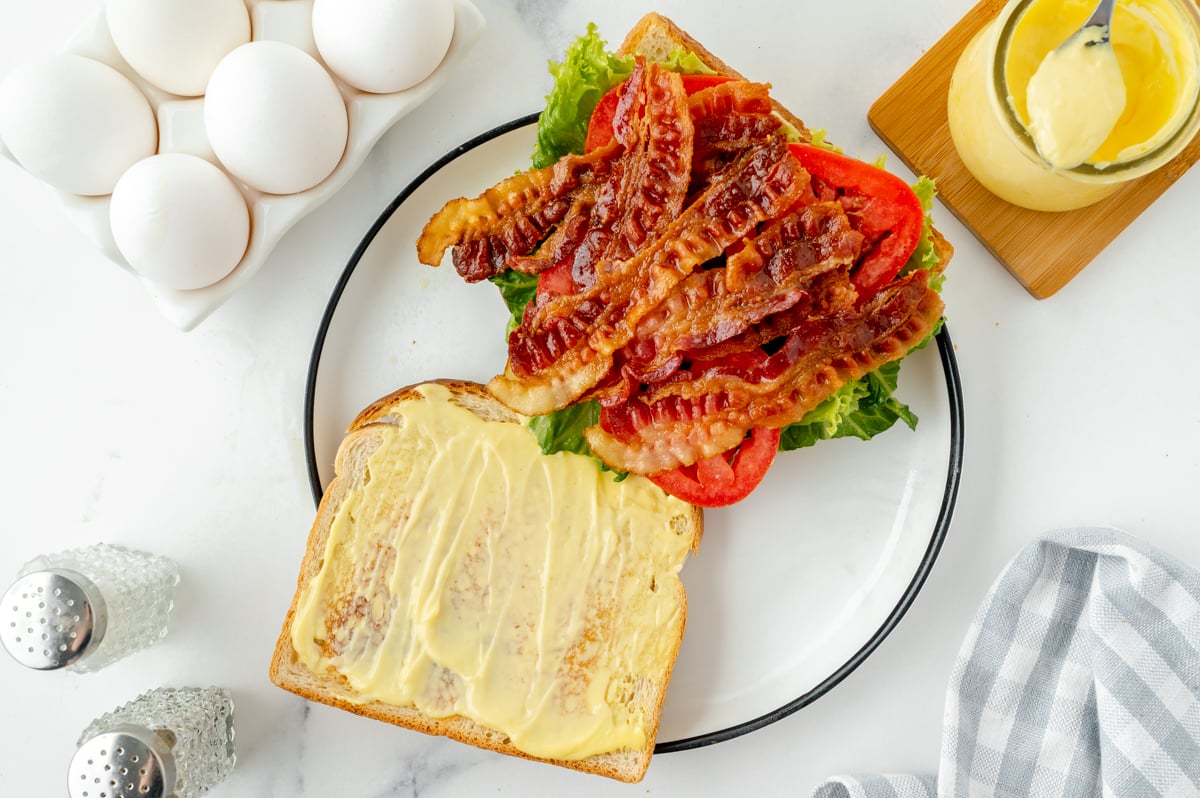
85	608
166	743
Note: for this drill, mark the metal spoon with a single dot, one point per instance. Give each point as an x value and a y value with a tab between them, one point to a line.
1100	18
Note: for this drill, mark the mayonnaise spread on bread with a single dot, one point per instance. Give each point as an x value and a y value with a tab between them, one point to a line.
530	596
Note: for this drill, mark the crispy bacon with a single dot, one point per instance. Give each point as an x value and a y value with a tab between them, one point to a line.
511	218
727	400
729	117
557	355
711	289
734	96
646	188
734	132
827	294
708	308
560	246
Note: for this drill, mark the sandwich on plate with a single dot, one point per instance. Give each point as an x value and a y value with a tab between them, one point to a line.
696	281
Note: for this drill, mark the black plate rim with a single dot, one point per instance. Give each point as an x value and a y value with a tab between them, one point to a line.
925	567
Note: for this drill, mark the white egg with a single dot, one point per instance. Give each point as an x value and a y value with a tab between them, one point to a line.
75	123
176	44
275	118
382	46
179	221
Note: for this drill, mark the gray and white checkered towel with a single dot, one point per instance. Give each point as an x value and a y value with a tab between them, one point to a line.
1079	676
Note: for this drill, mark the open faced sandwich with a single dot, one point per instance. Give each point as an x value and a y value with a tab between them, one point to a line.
696	282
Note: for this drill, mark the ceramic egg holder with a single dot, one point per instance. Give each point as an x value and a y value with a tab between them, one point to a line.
181	129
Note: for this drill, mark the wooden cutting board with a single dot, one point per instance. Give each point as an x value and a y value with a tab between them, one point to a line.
1044	251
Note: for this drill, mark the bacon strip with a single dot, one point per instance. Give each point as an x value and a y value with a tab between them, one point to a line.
828	294
729	117
511	218
647	187
561	245
734	96
705	310
817	360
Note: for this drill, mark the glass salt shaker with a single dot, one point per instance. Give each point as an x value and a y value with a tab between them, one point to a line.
83	609
166	743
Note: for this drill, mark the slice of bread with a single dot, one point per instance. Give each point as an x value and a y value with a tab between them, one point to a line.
612	608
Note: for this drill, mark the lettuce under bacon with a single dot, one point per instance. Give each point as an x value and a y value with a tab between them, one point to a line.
585	74
925	256
866	407
860	409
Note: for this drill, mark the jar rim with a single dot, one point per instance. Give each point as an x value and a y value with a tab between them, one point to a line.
1117	170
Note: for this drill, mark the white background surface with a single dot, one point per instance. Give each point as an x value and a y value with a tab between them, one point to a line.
114	426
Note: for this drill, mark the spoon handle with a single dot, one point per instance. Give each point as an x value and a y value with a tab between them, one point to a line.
1102	16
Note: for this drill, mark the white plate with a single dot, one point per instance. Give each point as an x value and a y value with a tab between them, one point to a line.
791	589
181	129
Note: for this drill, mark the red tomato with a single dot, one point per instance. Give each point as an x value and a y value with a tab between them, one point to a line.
556	280
889	211
726	478
694	83
600	126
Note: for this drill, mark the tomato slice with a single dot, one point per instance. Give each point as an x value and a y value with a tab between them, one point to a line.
694	83
888	210
725	478
600	126
556	280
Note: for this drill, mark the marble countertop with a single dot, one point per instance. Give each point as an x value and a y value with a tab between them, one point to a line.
116	426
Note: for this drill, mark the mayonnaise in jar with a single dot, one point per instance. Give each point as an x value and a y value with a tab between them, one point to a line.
1084	126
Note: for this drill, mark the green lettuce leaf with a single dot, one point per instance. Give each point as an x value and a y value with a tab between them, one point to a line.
924	256
562	431
586	72
817	138
518	290
860	409
685	62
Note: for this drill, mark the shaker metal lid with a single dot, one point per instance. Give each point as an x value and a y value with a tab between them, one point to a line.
50	619
127	762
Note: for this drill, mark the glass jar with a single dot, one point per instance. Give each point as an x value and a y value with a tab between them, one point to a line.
986	110
85	608
167	743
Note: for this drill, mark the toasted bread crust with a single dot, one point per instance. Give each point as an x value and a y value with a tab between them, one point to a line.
330	688
471	395
942	248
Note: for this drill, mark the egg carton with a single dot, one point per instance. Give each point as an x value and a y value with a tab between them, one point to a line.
181	129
